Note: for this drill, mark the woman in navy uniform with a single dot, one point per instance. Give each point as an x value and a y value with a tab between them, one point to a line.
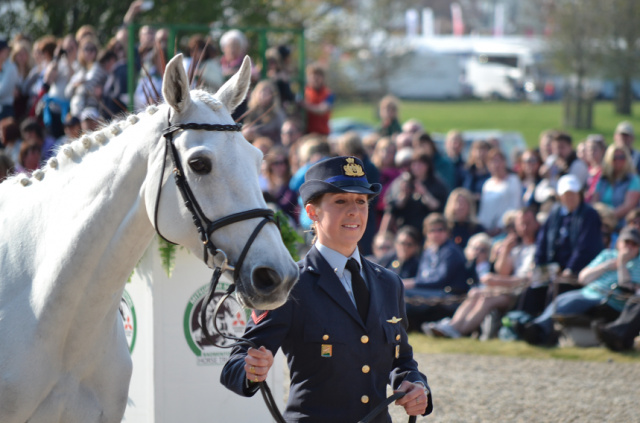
343	328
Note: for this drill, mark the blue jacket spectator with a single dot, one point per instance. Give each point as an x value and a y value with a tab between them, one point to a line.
477	171
454	144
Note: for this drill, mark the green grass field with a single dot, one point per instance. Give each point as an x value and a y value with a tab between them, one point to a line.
424	344
529	119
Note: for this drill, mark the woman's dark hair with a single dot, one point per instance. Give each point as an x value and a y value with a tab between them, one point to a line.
9	130
535	153
25	149
411	232
30	125
477	145
272	157
422	156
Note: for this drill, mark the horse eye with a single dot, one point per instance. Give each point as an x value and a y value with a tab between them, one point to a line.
201	165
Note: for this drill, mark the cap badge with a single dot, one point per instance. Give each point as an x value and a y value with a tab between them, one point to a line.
394	320
352	168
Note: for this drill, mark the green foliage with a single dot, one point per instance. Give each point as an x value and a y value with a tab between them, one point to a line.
167	256
290	237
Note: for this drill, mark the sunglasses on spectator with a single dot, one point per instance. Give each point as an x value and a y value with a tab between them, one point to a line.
619	158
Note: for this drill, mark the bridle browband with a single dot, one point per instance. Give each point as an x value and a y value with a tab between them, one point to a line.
200	220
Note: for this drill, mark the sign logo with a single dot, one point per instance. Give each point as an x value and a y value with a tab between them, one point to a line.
128	314
231	320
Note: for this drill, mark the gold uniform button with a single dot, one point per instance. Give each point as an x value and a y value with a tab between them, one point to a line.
364	399
364	339
324	338
365	369
397	337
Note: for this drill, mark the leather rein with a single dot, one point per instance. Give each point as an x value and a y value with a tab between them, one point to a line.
200	220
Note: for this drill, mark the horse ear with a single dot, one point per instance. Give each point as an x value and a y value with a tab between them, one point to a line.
235	89
175	86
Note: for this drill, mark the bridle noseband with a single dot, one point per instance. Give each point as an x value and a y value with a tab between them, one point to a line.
200	220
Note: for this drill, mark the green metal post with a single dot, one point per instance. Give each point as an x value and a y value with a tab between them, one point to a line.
263	52
131	66
171	43
301	62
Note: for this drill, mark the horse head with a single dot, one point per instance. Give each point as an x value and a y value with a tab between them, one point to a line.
222	170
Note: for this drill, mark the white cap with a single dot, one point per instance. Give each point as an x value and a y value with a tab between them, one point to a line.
90	113
625	127
568	183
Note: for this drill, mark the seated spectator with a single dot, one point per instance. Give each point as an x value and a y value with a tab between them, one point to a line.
77	89
603	279
609	224
460	212
290	132
10	133
502	192
278	74
29	158
477	171
544	143
570	237
6	166
580	151
384	160
388	110
529	177
513	268
266	117
443	166
412	127
382	245
454	145
624	136
633	218
278	174
441	273
416	194
563	161
404	140
403	259
72	130
370	141
318	101
619	186
594	154
32	133
204	68
149	90
9	81
89	120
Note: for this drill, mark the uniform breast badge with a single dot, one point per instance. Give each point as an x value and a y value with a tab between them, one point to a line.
326	350
394	320
353	169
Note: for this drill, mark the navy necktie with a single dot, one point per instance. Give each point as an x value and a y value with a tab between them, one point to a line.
359	288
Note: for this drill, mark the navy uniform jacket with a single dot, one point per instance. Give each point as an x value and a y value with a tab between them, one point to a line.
348	384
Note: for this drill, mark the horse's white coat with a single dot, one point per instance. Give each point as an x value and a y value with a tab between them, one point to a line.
69	241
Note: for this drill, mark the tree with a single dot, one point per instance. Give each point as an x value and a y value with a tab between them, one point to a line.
622	48
575	49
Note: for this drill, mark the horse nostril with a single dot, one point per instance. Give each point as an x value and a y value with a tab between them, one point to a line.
265	280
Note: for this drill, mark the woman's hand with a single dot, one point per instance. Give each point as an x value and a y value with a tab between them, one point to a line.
415	402
258	364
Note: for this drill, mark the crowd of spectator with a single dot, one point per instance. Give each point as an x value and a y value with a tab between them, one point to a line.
551	230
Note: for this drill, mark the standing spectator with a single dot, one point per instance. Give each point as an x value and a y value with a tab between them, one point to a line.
403	259
204	67
612	268
502	192
234	46
619	186
624	136
149	88
266	116
76	90
10	132
278	74
146	35
388	109
9	81
441	273
115	93
318	101
460	212
278	175
477	171
416	194
594	154
291	132
443	166
529	176
454	144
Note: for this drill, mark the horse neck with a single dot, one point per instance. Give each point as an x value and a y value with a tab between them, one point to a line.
92	225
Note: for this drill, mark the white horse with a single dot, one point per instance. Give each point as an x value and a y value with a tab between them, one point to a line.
71	234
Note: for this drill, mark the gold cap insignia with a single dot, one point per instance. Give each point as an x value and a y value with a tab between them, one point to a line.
394	320
352	168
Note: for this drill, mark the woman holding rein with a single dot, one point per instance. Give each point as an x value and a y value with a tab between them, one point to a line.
343	328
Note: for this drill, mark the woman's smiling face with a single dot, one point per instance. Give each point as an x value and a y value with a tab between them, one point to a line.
340	220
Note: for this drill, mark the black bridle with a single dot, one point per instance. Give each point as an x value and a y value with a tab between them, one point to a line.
200	220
